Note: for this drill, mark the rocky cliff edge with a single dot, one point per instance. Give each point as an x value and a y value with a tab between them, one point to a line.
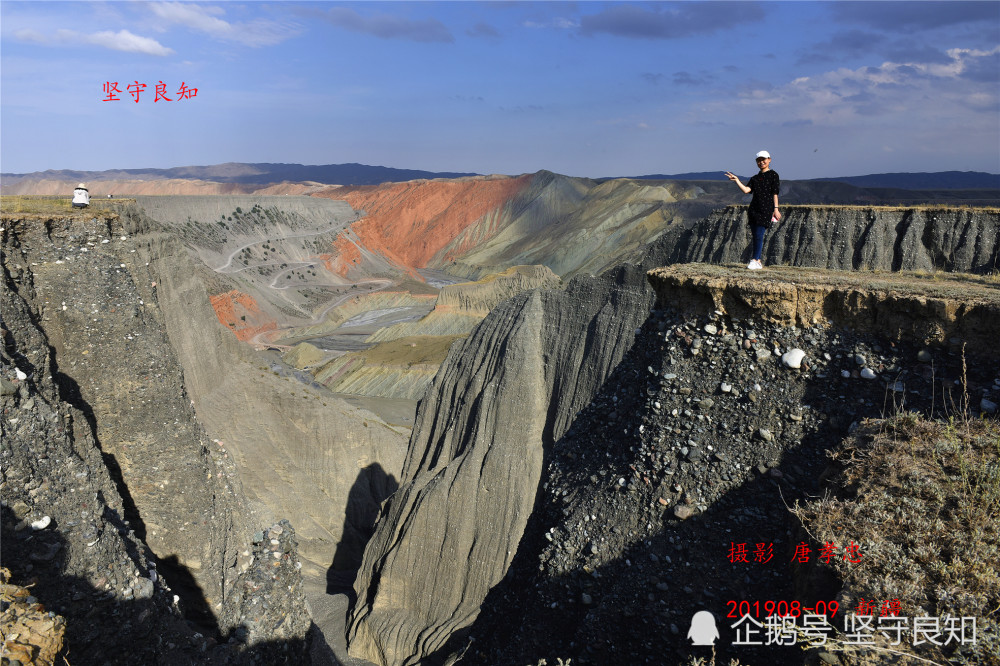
918	307
476	456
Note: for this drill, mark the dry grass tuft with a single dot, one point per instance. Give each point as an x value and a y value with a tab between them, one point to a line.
36	206
922	498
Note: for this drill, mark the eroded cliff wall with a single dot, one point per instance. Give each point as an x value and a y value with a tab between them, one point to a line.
852	238
475	458
500	398
102	449
299	453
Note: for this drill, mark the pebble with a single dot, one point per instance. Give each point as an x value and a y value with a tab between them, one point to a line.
711	329
867	373
765	435
41	523
725	388
988	406
793	358
586	599
706	403
846	374
860	359
683	512
144	588
924	356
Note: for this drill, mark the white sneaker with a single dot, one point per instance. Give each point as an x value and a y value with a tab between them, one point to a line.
752	265
755	265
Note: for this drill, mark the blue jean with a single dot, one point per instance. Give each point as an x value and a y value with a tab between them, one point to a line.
758	240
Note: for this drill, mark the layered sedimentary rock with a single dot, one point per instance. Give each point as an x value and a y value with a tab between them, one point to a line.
470	477
298	452
97	305
705	436
459	307
400	368
477	226
854	237
130	501
407	355
475	458
900	306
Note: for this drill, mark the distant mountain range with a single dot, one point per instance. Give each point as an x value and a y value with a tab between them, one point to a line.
265	173
254	173
941	180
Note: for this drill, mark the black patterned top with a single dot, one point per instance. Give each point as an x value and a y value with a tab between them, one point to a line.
763	186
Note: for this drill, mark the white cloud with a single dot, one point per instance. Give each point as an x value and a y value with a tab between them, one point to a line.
123	40
259	32
558	22
843	95
196	17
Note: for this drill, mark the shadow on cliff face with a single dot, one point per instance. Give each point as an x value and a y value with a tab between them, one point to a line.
103	627
178	576
372	486
607	574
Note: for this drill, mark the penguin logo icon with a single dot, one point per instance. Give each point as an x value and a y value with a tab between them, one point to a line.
703	630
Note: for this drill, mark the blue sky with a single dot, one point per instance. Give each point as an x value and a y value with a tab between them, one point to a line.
579	88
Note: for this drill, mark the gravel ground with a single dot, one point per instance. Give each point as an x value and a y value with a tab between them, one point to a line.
696	444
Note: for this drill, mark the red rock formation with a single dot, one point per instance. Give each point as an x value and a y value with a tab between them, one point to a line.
408	223
240	313
346	255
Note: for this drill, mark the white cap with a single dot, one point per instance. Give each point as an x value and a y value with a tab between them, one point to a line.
81	186
763	153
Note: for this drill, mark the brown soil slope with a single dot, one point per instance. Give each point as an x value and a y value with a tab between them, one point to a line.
409	223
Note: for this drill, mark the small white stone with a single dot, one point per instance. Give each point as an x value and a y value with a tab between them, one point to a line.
711	329
867	373
845	374
41	523
793	358
21	376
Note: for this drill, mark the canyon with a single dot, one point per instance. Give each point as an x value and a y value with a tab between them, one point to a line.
370	406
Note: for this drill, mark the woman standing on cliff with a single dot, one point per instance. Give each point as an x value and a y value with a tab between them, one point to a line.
763	208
